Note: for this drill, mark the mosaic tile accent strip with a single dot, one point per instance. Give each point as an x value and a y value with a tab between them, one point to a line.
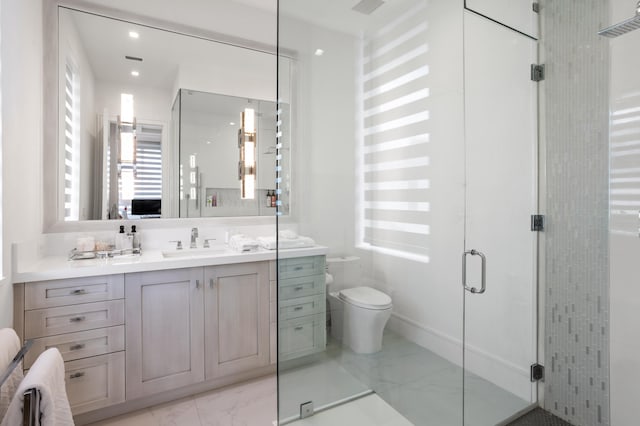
576	94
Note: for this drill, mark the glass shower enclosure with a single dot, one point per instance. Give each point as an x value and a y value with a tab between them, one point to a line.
414	153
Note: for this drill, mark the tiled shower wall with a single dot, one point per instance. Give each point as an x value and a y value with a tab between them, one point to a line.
575	120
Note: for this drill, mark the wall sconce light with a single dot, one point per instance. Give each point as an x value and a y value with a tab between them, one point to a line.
127	147
127	130
247	145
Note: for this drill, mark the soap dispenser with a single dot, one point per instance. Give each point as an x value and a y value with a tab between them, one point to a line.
136	239
120	238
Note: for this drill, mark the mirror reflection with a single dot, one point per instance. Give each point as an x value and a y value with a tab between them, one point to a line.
149	124
208	138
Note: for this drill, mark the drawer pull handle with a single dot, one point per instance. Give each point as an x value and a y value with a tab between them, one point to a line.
77	319
76	375
78	292
197	284
298	268
77	347
298	288
211	282
298	308
298	328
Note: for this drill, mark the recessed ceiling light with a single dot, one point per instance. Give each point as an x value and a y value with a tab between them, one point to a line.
135	73
134	34
231	123
319	52
208	142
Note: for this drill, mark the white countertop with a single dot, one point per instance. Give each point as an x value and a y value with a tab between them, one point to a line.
58	267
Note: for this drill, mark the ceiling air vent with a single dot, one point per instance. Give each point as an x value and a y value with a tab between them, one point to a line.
367	6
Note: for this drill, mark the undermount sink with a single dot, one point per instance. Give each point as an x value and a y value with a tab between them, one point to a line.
198	252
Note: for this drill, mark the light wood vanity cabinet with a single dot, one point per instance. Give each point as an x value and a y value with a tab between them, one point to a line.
185	326
236	318
83	318
136	339
301	307
164	329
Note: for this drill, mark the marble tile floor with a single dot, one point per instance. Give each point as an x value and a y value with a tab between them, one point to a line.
423	387
409	381
250	403
323	382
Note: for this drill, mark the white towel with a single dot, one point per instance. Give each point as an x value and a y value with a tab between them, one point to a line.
9	347
46	375
243	243
270	243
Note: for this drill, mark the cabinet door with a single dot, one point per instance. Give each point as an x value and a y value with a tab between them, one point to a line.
164	330
237	318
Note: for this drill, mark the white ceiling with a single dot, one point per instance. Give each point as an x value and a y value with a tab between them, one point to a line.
106	40
106	43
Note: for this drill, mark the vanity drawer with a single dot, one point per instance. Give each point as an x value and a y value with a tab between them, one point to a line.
49	294
95	382
69	319
302	286
301	307
301	336
83	344
301	267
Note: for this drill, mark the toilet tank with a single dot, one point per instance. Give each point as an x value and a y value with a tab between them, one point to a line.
346	272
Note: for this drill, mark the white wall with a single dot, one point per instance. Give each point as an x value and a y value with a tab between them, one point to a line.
21	133
324	129
624	222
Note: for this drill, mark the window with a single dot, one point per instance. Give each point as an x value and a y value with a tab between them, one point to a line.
394	158
71	144
147	170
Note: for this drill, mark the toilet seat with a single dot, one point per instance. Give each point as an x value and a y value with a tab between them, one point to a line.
366	297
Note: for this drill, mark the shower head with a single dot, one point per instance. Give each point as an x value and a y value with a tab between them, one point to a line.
623	27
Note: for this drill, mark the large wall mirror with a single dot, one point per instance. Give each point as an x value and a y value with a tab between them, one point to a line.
149	123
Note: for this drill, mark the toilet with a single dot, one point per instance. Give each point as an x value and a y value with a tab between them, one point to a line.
358	314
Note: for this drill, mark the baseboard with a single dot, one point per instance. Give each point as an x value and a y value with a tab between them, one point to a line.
441	344
508	376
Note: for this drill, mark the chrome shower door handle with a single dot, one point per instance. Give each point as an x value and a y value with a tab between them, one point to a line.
483	284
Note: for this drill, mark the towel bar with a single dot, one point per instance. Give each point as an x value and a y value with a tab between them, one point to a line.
31	404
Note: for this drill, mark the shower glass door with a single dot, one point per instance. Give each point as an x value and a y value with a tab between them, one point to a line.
501	195
389	178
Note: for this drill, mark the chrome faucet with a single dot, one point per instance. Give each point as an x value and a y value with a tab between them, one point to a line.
194	235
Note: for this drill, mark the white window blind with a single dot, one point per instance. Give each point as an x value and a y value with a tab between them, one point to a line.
624	175
71	145
148	168
394	155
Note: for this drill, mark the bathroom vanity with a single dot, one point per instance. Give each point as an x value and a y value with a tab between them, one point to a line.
142	330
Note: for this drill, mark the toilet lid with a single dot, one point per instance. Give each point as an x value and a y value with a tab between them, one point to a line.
366	297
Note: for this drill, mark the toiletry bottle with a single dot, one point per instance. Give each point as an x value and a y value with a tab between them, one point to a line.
273	198
125	215
120	238
268	204
136	239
